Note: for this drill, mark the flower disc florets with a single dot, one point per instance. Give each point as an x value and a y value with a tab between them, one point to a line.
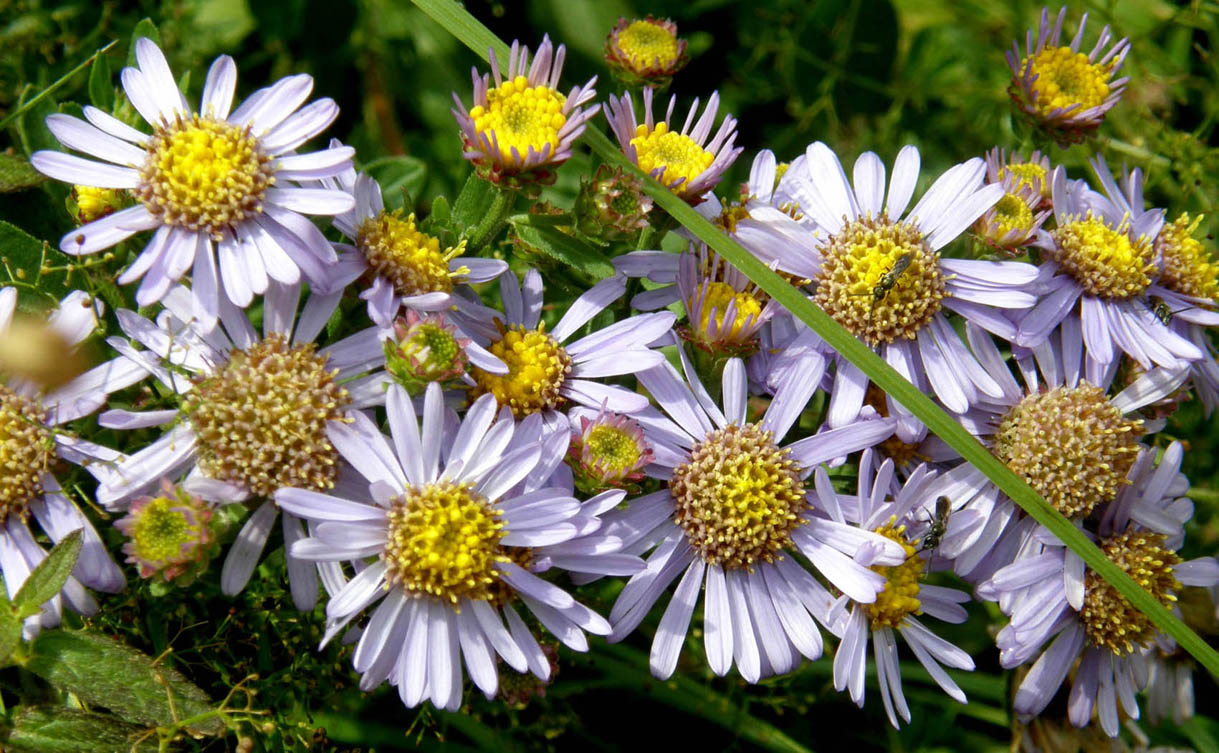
205	175
26	450
261	420
677	156
1071	445
645	51
1109	619
521	117
739	497
410	259
423	350
880	279
537	367
608	451
88	203
167	534
1188	268
443	541
900	595
1105	261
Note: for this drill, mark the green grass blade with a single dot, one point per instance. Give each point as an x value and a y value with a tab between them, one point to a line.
47	91
480	39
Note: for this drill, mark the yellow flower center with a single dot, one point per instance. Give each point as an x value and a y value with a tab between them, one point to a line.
880	280
1188	267
1071	445
443	541
611	448
26	449
1031	174
261	421
680	156
204	175
519	116
719	295
94	203
900	595
739	497
1109	619
1066	78
1104	260
161	532
411	260
729	216
644	43
1012	214
537	366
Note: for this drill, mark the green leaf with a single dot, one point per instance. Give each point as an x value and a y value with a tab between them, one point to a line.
25	255
50	729
10	629
103	672
48	578
397	175
473	203
32	131
17	174
101	91
480	39
562	247
145	28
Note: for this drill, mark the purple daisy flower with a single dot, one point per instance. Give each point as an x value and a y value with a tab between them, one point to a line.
456	532
733	510
1103	265
902	516
882	278
287	394
686	162
213	184
523	128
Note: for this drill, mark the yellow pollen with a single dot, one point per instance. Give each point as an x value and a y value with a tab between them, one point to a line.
1071	445
93	203
261	420
519	116
26	448
730	215
204	174
612	448
443	541
900	595
719	295
1031	174
1013	214
739	497
1188	267
644	43
411	260
1108	618
1105	261
1066	78
863	287
537	367
680	156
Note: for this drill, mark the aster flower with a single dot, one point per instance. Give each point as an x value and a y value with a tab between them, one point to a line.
283	391
544	369
169	536
645	51
1060	89
1013	222
425	349
903	517
1103	265
612	205
724	309
454	546
213	184
1060	431
408	267
33	443
883	279
521	129
1054	599
733	512
607	450
685	162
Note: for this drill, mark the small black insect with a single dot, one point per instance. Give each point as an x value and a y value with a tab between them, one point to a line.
889	279
937	529
1162	310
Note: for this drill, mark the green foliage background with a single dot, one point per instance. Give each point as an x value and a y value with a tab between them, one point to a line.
858	74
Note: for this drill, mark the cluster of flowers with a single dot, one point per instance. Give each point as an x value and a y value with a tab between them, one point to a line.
511	454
